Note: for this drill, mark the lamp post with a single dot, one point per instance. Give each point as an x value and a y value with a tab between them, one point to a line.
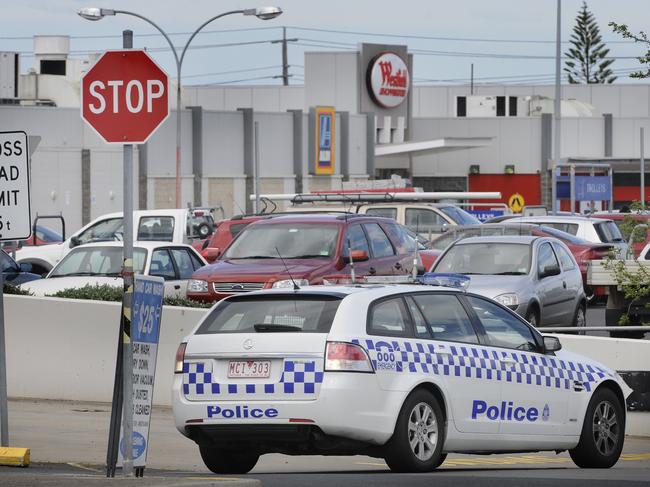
95	13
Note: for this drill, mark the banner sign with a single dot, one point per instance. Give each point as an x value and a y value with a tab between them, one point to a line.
324	156
596	188
145	331
485	214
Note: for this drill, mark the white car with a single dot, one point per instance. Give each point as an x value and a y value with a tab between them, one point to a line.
407	373
101	263
149	225
597	230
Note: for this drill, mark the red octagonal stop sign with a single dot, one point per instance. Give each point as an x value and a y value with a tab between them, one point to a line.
124	97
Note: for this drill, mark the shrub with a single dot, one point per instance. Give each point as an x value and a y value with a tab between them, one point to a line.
106	292
11	289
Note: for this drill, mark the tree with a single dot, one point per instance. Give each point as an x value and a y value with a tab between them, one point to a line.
641	37
587	57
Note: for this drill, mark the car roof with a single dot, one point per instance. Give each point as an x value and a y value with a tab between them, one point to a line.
516	239
557	218
144	244
342	290
339	219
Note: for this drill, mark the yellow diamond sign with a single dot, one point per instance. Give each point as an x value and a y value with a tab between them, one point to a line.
516	203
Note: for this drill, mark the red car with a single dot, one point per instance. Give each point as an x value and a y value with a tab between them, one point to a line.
226	231
304	249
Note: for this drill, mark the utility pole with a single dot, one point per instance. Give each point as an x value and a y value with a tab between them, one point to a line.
471	80
558	106
285	60
285	56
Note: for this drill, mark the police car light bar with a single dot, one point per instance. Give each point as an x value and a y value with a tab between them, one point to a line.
388	196
456	281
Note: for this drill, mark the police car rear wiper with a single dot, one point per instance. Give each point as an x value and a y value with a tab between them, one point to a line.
269	327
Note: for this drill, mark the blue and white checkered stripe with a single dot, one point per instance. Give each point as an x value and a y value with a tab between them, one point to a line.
476	362
300	380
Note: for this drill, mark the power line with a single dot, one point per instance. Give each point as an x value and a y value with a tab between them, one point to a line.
151	34
442	38
261	68
242	80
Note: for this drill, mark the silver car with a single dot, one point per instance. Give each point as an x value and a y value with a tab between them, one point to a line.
535	276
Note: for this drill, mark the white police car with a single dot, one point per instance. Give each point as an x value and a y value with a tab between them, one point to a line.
407	373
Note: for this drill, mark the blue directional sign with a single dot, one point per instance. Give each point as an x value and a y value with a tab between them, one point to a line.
593	188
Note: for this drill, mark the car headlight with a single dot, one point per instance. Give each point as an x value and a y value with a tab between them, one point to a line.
511	300
197	286
288	283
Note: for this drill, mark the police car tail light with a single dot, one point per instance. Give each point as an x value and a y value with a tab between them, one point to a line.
346	357
180	358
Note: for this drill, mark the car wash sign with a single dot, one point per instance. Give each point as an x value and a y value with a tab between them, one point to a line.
145	332
388	80
15	214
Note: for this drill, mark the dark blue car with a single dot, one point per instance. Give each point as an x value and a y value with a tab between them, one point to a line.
13	273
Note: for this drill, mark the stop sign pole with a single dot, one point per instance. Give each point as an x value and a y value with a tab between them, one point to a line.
124	98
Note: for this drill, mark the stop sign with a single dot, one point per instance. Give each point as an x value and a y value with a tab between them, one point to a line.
124	96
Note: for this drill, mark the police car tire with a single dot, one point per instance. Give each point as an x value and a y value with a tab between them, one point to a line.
398	453
587	454
222	461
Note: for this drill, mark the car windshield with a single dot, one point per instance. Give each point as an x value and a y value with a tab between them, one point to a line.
272	314
492	258
290	240
8	264
460	216
97	261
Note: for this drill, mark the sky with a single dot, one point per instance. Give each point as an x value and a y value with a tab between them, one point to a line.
507	41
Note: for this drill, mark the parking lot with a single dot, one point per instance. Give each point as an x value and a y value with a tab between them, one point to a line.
68	443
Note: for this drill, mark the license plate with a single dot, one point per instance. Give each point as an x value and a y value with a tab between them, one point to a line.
249	368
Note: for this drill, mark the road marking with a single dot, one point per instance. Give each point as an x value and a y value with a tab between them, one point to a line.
513	460
83	467
213	478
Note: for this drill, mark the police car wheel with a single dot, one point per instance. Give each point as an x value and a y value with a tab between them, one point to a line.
601	440
223	461
416	444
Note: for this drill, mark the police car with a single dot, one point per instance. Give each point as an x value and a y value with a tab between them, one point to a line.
407	373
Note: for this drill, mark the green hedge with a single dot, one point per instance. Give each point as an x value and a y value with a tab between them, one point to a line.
10	289
111	293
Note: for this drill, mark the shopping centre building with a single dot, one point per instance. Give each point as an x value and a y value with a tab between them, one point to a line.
357	117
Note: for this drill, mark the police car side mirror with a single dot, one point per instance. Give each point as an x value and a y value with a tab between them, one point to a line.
74	242
552	344
550	270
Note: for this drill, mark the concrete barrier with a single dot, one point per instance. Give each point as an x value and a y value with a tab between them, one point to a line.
66	349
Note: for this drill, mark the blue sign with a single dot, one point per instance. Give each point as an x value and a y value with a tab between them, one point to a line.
588	188
147	309
596	188
486	214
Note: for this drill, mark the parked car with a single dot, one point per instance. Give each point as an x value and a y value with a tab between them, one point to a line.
583	251
407	373
424	218
41	235
15	274
537	277
225	233
639	217
101	263
171	225
595	230
304	249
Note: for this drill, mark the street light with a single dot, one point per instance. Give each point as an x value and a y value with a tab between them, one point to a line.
262	13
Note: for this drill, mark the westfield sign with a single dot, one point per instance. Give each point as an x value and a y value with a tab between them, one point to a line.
388	80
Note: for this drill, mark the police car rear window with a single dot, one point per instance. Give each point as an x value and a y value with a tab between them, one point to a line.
272	314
